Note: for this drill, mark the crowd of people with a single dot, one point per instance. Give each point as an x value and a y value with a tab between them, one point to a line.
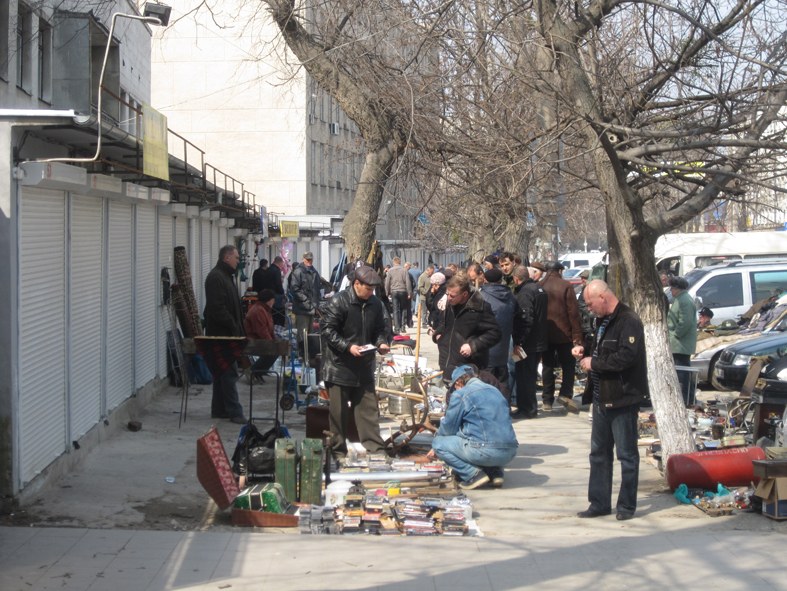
494	322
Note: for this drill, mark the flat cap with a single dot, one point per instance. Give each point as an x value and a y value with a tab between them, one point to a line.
493	275
367	275
706	312
555	266
308	255
437	278
585	274
539	266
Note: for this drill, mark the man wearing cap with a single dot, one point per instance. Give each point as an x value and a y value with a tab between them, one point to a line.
506	310
305	289
436	301
564	331
423	287
536	271
705	329
475	438
469	329
399	289
682	326
352	319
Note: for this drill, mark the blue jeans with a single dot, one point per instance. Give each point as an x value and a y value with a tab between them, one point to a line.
225	394
613	427
526	376
467	458
400	303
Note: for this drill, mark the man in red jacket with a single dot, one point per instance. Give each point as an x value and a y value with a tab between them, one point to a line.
259	325
564	331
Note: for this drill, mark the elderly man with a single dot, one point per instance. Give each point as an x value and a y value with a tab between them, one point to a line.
618	383
305	288
469	328
682	326
423	285
399	289
536	271
224	318
475	438
353	318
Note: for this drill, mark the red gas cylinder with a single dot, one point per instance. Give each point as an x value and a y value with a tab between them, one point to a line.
706	469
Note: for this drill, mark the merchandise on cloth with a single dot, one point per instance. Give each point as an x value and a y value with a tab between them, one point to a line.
183	273
220	353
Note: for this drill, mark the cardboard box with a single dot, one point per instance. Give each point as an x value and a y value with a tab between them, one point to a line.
773	492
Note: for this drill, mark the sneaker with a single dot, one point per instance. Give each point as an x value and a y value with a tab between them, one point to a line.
570	405
238	420
495	477
479	479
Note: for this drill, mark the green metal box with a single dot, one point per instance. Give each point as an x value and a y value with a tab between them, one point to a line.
286	467
311	472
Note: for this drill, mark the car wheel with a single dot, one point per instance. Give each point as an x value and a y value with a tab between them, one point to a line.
712	375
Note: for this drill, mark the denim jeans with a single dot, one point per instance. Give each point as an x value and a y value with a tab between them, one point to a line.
467	459
225	394
613	427
400	304
526	376
567	363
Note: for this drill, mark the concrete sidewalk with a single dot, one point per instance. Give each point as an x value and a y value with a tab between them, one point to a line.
119	507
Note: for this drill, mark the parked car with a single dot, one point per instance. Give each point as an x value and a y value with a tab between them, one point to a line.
729	372
731	289
705	361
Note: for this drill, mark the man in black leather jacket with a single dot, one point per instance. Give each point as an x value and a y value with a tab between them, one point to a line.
617	383
352	319
530	333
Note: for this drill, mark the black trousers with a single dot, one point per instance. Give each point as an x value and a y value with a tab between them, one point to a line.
567	362
526	376
362	402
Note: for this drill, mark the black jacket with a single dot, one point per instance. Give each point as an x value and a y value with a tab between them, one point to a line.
273	280
475	325
349	320
223	314
436	316
621	362
530	331
258	280
305	287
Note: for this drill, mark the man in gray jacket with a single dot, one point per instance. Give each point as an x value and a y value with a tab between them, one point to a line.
305	289
424	286
399	289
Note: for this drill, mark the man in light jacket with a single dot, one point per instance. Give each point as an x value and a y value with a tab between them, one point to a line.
682	325
398	288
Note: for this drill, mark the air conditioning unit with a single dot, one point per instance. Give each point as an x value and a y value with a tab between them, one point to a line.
333	128
311	118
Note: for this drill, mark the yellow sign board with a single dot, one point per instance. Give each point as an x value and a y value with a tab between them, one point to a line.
289	229
155	153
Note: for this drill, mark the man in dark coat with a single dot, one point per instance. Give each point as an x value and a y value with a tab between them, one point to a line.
469	329
224	318
530	333
564	330
505	309
616	363
272	280
305	287
352	319
259	277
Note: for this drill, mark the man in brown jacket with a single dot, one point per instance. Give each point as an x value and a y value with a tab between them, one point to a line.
564	331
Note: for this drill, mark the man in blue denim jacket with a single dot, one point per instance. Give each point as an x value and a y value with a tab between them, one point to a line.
475	438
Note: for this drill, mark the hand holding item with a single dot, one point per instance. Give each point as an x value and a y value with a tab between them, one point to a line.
355	351
465	350
585	364
383	348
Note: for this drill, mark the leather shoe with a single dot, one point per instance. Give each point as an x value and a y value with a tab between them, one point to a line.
624	516
591	513
570	405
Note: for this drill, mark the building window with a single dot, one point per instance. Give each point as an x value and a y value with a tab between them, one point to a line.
313	166
44	61
322	104
322	164
4	8
23	63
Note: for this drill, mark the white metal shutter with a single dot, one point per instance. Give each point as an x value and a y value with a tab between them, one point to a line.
214	245
195	263
86	301
207	256
182	235
120	336
165	257
42	330
145	298
223	240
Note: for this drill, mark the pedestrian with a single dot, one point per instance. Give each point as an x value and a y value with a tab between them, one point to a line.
397	287
258	277
224	318
352	319
475	273
537	270
469	329
682	326
305	285
475	437
507	265
273	280
505	309
532	338
564	330
436	301
423	286
413	279
491	262
617	384
585	315
259	325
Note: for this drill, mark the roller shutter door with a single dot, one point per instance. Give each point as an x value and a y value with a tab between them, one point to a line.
207	257
120	329
42	330
165	257
86	301
195	263
182	235
223	237
145	300
214	245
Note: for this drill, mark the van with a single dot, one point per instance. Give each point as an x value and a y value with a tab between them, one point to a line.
731	289
581	259
680	253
